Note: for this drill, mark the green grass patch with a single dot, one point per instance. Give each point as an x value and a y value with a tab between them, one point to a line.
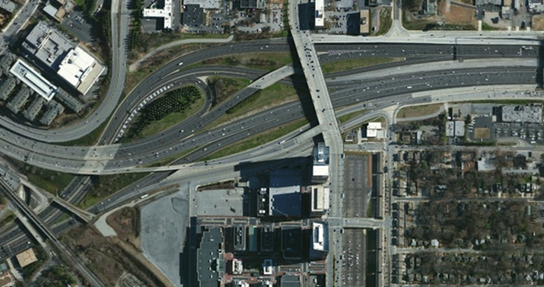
224	87
418	111
166	111
487	27
106	185
348	117
345	65
385	21
370	209
413	24
262	61
49	180
7	218
258	139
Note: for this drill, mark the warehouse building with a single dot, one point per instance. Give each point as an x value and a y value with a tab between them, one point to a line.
19	101
71	62
33	79
6	87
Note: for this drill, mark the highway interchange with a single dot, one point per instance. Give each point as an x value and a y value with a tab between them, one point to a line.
40	148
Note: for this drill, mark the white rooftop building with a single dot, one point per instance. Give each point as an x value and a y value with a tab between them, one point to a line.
204	4
372	129
319	13
33	79
80	69
165	13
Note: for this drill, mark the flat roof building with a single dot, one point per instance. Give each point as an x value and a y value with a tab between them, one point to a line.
6	87
291	241
319	13
364	25
320	199
26	258
267	238
164	12
204	4
33	79
319	241
56	51
521	114
284	193
193	15
253	4
8	5
239	234
54	12
320	169
210	259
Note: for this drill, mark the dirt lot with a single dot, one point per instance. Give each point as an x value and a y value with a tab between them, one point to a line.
481	133
457	14
126	222
538	22
109	258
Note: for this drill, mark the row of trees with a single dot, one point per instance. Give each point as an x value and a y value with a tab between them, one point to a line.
175	101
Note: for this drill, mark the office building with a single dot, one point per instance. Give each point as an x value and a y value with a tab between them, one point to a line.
165	13
284	193
33	79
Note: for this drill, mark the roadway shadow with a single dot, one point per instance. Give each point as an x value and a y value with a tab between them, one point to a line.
540	65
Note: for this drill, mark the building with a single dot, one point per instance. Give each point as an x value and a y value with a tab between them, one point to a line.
455	128
204	4
291	241
319	241
290	281
320	200
193	15
320	168
210	258
6	61
165	13
26	258
19	101
253	4
267	238
34	108
33	79
8	5
54	109
364	25
521	114
252	236
6	87
319	14
372	130
68	100
58	53
284	196
239	237
54	12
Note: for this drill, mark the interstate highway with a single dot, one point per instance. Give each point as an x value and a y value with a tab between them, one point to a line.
61	158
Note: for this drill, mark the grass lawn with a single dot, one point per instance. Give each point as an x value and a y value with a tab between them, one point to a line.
344	65
106	185
346	118
261	61
225	87
258	139
49	180
7	218
418	111
274	95
385	21
170	120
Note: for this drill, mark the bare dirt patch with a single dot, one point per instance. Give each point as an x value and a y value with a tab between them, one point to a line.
126	222
538	22
457	14
482	133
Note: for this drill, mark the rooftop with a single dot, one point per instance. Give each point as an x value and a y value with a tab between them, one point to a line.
8	5
210	261
165	12
193	15
33	79
525	114
205	4
48	44
26	257
284	193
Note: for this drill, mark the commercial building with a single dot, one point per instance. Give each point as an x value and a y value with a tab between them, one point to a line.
290	281
320	168
210	258
267	238
193	15
319	241
364	25
26	257
284	197
33	79
521	114
165	13
58	53
291	241
455	128
54	12
8	5
319	14
204	4
372	130
320	200
18	102
253	4
6	87
239	237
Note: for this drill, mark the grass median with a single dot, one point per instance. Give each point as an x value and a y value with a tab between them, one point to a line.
258	139
350	116
418	111
262	61
350	64
385	21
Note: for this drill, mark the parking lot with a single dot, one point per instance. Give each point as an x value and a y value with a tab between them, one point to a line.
352	258
357	185
531	133
78	27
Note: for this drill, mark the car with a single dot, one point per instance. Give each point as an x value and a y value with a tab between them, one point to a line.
180	63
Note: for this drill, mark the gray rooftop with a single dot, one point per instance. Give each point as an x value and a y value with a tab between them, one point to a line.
48	44
211	263
321	154
17	103
69	101
290	281
8	5
524	114
6	87
193	15
32	111
284	193
53	110
206	4
6	61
